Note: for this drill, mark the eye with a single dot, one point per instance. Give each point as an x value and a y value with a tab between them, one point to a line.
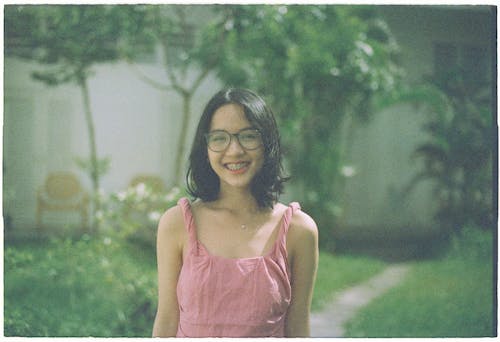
218	137
250	135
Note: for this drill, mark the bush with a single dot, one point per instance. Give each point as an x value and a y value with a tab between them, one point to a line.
472	243
94	286
135	211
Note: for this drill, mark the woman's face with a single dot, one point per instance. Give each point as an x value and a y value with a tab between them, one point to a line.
235	165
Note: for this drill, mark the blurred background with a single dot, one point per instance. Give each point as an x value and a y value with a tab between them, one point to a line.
388	121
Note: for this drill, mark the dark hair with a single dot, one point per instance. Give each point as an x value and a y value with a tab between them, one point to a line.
267	185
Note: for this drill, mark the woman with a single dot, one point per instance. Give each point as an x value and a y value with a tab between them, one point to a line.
235	262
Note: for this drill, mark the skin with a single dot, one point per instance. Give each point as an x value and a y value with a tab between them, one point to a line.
218	229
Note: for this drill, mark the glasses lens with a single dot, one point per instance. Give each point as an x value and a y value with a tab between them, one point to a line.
250	139
218	141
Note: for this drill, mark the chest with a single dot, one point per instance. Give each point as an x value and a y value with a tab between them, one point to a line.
231	236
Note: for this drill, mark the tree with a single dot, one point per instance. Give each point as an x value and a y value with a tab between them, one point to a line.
320	67
176	31
458	153
69	40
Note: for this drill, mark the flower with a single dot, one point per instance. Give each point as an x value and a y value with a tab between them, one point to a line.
348	171
173	194
154	216
99	215
365	47
121	196
134	211
141	189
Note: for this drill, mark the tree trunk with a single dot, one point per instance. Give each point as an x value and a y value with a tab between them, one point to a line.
186	116
93	166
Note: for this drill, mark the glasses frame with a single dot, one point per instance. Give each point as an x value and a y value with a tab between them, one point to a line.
235	135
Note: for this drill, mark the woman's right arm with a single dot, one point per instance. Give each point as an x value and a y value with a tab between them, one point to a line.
169	246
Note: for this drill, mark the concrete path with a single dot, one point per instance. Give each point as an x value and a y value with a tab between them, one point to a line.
329	322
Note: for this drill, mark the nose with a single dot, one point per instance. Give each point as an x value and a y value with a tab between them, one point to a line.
234	146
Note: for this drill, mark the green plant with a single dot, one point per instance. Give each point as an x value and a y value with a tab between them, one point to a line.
92	286
472	243
135	211
448	297
458	153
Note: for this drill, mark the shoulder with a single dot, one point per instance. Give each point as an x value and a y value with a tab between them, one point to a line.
302	224
303	231
171	224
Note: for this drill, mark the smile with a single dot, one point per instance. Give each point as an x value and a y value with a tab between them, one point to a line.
237	167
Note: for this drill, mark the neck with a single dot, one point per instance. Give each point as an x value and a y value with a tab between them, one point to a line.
238	200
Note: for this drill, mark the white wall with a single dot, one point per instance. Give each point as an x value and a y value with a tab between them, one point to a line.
380	155
136	125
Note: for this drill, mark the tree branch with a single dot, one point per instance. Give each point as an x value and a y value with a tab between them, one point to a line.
147	79
213	62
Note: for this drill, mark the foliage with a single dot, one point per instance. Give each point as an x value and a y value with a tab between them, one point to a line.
319	66
135	211
338	272
471	244
103	164
458	152
93	286
451	297
71	38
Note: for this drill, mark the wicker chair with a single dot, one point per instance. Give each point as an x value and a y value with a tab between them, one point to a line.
153	181
62	191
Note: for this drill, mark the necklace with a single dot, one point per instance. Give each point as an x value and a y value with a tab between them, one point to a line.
254	214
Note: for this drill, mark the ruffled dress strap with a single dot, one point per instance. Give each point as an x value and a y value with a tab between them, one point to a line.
188	221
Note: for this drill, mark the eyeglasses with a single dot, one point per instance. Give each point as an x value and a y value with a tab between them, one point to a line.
219	140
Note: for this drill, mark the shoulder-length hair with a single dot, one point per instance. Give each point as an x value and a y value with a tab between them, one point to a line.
267	185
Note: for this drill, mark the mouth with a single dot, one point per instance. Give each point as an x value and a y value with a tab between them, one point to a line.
238	167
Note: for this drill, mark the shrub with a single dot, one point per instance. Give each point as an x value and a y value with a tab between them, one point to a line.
472	244
135	211
93	286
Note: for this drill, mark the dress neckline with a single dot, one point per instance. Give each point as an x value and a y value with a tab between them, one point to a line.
196	243
243	259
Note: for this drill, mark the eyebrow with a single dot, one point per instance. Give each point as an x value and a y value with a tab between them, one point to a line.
223	130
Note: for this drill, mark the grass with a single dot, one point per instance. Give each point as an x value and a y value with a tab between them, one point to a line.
97	286
336	273
450	297
102	287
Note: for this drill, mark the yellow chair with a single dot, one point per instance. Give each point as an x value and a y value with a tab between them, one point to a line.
62	191
153	181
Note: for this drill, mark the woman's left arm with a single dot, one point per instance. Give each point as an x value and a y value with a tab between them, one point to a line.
302	246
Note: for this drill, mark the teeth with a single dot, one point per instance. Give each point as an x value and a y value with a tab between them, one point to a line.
234	167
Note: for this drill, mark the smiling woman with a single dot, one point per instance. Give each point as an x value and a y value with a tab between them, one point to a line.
234	159
235	262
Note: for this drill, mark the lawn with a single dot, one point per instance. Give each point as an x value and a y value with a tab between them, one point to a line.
450	297
106	287
338	272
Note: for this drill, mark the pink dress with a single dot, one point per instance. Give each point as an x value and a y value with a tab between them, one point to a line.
222	297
